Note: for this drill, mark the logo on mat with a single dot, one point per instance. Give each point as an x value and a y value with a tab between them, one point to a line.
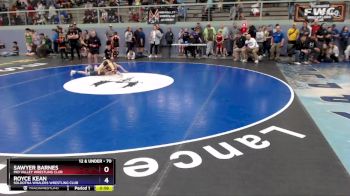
118	84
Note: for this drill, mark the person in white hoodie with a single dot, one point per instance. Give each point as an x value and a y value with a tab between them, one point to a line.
154	39
251	47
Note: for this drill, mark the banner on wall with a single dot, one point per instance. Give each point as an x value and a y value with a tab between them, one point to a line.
162	16
325	11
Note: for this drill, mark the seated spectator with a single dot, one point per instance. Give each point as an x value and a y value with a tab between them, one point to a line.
238	47
14	51
332	53
302	50
42	48
251	48
314	49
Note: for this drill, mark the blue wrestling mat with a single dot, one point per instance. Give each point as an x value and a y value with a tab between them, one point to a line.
155	104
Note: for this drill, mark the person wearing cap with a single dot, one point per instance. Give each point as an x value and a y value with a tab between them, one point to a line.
109	32
293	36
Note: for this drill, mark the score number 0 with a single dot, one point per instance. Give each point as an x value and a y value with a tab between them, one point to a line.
106	170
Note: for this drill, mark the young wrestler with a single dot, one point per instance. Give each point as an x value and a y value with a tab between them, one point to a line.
107	67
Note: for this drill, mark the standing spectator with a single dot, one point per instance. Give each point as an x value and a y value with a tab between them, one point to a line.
225	34
84	49
154	40
181	41
109	32
142	41
252	31
305	29
115	44
335	33
344	38
238	47
320	34
267	43
260	38
94	45
315	27
73	39
62	44
54	39
128	39
169	37
251	47
347	53
293	35
29	40
219	43
277	43
209	37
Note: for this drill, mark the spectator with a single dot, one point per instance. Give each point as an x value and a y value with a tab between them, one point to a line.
169	37
332	54
268	38
109	32
139	41
251	47
293	35
73	39
94	45
320	34
14	51
84	51
260	38
244	28
181	41
55	38
335	33
277	43
62	44
239	43
301	50
344	38
109	51
29	39
305	29
52	14
115	44
225	34
219	43
42	49
315	27
209	36
347	53
129	39
154	39
190	48
252	31
314	49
